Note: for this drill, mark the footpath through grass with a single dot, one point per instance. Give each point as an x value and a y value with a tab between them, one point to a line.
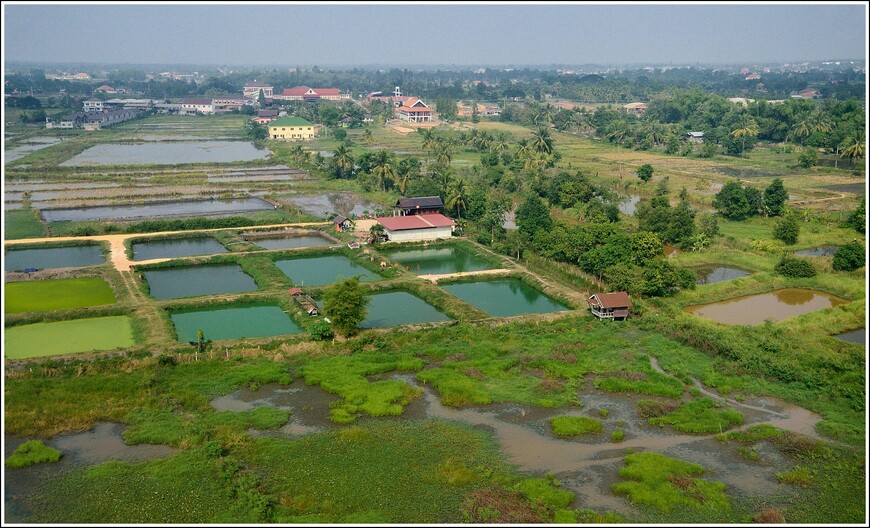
44	295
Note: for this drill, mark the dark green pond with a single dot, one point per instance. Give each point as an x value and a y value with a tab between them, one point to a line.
504	297
711	274
318	271
233	322
182	247
43	258
291	242
399	308
174	283
438	261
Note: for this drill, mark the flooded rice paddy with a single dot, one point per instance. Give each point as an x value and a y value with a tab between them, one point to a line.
322	205
181	247
855	188
193	281
821	251
319	271
776	306
51	258
428	261
28	146
504	297
712	273
158	209
858	336
291	242
167	153
233	322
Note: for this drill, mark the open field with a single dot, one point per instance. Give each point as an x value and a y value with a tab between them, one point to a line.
37	296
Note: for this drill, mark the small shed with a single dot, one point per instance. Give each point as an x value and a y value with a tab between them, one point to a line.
306	302
341	223
696	137
610	305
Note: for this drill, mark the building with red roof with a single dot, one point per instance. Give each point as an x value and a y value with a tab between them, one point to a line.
304	93
610	305
415	228
415	111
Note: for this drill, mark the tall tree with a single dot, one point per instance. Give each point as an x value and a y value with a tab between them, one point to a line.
384	169
345	304
746	127
457	197
542	142
533	215
343	161
775	197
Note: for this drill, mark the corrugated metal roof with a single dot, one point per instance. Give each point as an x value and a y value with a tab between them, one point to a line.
610	300
404	223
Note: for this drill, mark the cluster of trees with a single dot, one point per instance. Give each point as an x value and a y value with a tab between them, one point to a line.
736	202
673	225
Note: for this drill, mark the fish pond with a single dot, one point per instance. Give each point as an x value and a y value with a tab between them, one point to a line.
821	251
346	204
318	271
712	273
60	294
167	153
158	209
67	337
776	306
291	242
192	281
504	297
179	247
437	261
233	322
399	308
50	258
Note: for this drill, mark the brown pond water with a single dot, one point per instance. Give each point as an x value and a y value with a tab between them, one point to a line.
776	305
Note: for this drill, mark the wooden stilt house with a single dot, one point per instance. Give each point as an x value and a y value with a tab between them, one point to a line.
610	305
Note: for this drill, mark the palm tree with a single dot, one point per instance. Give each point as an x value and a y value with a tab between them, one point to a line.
853	148
456	201
745	127
543	114
367	137
802	129
819	122
442	153
524	149
384	170
500	143
542	142
343	160
618	130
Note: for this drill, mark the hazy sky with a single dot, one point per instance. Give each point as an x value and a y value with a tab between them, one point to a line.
433	33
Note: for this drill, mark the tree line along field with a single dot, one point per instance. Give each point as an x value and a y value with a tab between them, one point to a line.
462	476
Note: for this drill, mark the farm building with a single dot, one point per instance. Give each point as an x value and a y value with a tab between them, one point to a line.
415	111
291	128
696	137
610	305
341	223
415	228
421	205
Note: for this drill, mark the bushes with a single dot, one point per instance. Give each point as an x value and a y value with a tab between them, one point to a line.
787	230
795	267
849	257
574	425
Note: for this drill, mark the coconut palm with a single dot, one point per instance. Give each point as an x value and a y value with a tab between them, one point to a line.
852	148
524	149
367	137
443	156
500	142
456	196
746	127
819	122
343	160
384	169
543	114
542	143
802	129
618	130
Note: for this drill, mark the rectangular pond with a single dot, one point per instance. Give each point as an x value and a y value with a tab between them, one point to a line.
291	242
712	273
776	305
321	205
180	247
167	153
57	294
158	209
193	281
50	258
233	322
438	261
504	297
67	337
318	271
399	308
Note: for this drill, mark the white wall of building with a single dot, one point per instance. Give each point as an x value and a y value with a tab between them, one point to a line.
416	235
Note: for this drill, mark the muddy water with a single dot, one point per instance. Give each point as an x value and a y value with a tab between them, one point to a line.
346	204
101	444
857	188
776	305
712	274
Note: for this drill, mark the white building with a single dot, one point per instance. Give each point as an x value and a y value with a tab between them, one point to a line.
93	105
197	106
415	228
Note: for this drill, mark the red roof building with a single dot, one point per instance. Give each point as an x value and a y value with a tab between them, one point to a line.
610	305
417	227
415	111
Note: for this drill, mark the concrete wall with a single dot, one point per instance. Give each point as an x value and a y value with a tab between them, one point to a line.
415	235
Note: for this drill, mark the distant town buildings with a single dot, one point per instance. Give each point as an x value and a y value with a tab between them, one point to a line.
252	90
304	93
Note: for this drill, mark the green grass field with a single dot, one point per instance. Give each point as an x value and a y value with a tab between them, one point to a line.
40	296
68	337
23	223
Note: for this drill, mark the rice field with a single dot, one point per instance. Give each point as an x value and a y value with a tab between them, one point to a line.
67	337
60	294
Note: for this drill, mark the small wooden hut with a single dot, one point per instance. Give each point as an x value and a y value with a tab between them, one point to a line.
306	302
610	305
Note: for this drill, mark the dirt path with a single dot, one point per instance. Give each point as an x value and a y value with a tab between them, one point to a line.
118	253
435	278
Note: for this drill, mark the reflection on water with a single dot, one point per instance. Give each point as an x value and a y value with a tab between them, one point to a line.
712	274
776	305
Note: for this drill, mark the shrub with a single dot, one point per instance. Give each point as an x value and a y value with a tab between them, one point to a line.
617	435
787	230
645	172
849	257
32	452
321	331
603	413
574	425
795	267
770	516
808	158
799	476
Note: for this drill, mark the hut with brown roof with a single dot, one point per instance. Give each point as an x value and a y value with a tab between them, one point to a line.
610	305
